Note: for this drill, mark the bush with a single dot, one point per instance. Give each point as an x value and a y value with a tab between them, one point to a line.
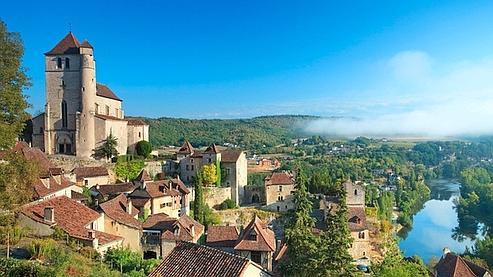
227	204
143	148
12	267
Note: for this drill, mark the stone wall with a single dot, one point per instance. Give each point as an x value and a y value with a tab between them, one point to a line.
214	196
154	167
254	195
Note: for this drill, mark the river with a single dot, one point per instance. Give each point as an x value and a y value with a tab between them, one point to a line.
433	225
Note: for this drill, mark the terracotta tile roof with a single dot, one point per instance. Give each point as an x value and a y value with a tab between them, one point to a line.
45	186
115	189
68	45
135	122
230	156
144	176
140	202
77	196
357	218
117	208
168	225
108	117
86	44
212	149
193	260
168	187
279	178
222	236
452	265
256	237
186	148
71	216
104	91
87	172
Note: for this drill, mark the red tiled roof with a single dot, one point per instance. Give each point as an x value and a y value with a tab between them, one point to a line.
170	187
230	156
265	239
85	44
104	91
116	209
167	225
45	186
87	172
77	196
279	178
135	122
186	148
212	149
70	216
160	221
140	202
355	214
114	189
68	45
452	265
222	236
193	260
144	176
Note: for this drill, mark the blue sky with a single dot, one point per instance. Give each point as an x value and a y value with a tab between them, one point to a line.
230	59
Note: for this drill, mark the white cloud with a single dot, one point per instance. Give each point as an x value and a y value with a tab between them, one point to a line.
410	65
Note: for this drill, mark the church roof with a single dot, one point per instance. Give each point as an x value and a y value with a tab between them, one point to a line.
68	45
212	149
104	91
186	148
86	44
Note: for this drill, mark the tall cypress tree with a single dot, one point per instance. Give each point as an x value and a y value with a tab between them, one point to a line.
302	243
334	254
198	203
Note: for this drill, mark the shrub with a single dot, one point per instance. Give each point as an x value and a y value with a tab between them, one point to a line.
143	148
227	204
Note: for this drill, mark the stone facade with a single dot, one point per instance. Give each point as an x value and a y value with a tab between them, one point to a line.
279	189
79	112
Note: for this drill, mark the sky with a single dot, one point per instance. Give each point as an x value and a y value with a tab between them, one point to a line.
408	67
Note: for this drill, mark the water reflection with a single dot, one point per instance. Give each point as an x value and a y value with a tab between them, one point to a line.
433	226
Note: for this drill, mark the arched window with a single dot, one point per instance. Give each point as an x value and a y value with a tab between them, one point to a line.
67	63
59	63
64	114
355	192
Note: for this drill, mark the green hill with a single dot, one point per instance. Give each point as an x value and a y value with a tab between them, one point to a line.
248	133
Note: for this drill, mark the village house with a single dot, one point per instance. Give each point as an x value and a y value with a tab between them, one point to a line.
279	189
233	165
162	231
222	237
189	259
91	176
106	192
257	242
452	265
169	196
79	112
81	223
121	219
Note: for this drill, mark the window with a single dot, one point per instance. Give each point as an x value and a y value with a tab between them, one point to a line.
86	183
192	167
256	257
210	160
280	188
107	110
59	63
40	130
187	167
191	160
67	63
116	112
355	192
361	235
62	83
252	236
64	114
97	108
139	135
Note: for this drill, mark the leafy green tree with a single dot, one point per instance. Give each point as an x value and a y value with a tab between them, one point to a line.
127	168
394	264
107	149
302	244
13	80
198	203
143	148
336	241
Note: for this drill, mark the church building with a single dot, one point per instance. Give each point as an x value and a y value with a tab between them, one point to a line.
79	112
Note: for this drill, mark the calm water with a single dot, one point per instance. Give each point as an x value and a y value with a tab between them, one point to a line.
432	226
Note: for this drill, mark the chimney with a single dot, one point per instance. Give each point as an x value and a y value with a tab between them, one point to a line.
129	208
49	214
192	230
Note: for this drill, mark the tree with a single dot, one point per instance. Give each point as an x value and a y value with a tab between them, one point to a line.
218	173
128	168
394	264
336	241
208	174
198	203
107	149
143	148
13	80
302	243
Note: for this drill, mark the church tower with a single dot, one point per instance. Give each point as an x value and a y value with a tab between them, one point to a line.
70	85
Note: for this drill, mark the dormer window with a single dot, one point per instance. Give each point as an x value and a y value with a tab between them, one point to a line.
253	235
59	63
67	63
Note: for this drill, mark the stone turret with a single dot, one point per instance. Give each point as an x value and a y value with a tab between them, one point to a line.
86	138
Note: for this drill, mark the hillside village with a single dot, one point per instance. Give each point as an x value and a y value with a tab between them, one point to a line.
196	210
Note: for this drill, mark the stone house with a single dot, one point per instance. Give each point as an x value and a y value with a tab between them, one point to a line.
79	112
257	242
189	259
452	265
162	231
79	222
121	219
233	165
279	189
355	194
90	176
222	237
169	196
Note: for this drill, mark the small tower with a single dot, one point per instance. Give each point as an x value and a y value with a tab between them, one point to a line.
86	140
